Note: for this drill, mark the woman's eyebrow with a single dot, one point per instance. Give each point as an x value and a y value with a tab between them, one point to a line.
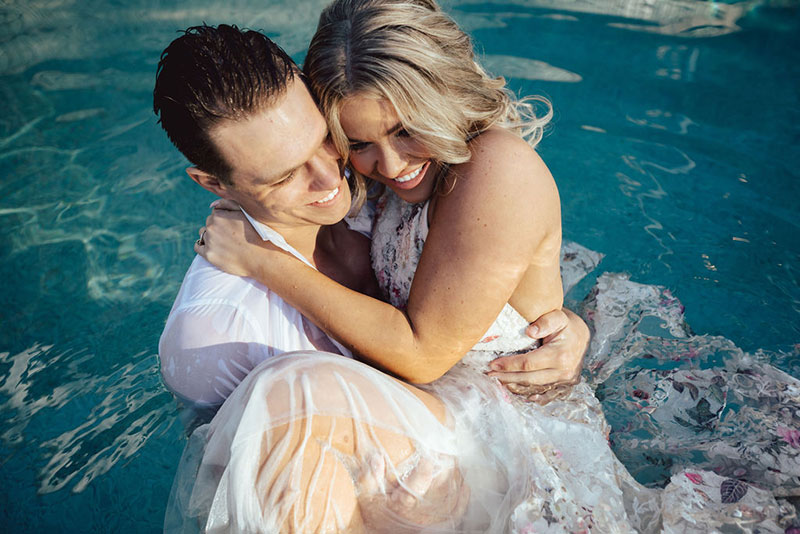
390	131
393	129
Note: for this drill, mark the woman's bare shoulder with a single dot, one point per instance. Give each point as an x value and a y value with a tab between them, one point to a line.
503	160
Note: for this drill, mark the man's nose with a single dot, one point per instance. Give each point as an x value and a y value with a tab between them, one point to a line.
390	162
326	168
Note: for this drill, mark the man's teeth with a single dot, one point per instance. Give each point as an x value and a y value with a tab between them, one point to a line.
409	176
329	197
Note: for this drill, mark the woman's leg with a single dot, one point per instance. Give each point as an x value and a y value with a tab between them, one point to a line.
318	443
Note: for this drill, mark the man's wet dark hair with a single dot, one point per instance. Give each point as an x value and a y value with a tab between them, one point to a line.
210	74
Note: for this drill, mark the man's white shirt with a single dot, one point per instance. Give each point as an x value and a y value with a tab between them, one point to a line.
222	326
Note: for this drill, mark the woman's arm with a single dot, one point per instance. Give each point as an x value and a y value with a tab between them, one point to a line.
499	225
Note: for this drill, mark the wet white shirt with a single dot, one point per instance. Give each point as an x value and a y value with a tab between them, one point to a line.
222	326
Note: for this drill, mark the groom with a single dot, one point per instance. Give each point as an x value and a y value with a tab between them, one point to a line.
237	107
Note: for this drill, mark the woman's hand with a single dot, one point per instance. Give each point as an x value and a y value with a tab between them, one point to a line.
549	371
229	241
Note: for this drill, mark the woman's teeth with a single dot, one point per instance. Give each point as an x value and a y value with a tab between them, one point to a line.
409	176
328	198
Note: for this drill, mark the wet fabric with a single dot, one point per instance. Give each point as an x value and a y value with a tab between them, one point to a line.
314	442
221	326
681	400
693	402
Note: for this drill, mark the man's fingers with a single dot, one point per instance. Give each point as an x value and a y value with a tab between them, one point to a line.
545	357
532	378
552	394
548	324
372	476
416	484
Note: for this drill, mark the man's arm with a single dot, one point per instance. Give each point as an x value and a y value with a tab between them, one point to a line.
201	359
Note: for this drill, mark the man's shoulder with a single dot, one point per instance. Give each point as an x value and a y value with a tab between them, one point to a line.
206	286
210	296
204	280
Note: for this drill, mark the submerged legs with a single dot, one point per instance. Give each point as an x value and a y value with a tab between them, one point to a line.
318	443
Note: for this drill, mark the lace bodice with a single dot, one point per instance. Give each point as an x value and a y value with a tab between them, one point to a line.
398	237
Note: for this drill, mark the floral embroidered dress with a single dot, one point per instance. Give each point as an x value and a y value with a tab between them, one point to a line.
571	479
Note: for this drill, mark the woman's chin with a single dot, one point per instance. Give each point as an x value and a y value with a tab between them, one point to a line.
412	196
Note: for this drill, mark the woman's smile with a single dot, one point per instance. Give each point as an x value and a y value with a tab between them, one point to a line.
382	149
412	179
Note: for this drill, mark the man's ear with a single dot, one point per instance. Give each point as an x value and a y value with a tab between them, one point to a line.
208	181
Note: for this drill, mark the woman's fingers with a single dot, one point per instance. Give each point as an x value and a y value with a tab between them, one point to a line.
225	204
548	324
199	245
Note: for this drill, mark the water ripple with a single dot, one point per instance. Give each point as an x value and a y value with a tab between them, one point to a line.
528	69
682	18
130	407
631	185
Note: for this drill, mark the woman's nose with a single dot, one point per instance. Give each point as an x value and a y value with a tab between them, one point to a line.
390	162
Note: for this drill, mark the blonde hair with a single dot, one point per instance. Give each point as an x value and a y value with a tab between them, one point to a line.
412	54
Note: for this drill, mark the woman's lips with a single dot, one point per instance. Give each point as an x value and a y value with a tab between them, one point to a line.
412	179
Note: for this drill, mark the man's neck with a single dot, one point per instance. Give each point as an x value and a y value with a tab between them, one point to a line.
303	239
319	245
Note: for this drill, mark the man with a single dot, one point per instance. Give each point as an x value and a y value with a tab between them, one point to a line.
236	106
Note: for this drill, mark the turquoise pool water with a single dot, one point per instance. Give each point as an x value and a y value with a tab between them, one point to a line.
674	147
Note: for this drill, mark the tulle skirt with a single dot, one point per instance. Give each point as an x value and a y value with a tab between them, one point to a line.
314	442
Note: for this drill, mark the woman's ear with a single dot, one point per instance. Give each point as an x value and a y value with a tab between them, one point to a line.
208	181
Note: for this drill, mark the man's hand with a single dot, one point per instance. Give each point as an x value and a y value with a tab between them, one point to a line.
549	371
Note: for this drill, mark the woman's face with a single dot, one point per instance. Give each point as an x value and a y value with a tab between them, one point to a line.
381	149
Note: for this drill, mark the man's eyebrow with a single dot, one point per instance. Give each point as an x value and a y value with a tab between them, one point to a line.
275	178
390	131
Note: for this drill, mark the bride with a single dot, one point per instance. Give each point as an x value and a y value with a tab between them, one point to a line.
466	246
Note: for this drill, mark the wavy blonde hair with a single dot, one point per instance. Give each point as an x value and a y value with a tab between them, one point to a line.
412	54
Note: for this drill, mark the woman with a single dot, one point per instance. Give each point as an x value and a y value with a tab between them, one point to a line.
405	99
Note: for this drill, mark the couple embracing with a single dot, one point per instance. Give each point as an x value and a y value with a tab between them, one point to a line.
377	372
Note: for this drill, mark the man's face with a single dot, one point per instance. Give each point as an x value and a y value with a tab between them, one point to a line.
285	171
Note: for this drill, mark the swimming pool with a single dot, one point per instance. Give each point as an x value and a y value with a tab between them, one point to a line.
674	147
